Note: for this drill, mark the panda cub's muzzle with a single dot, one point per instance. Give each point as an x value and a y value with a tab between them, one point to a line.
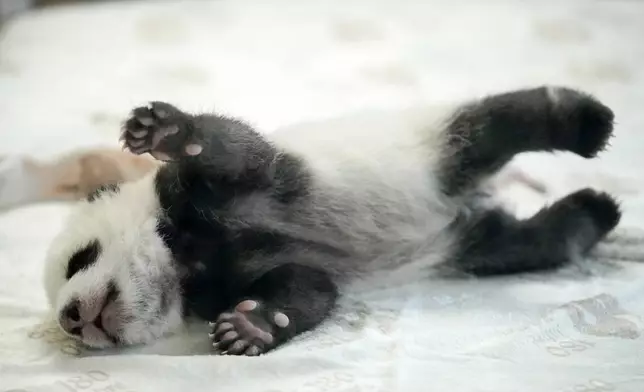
95	320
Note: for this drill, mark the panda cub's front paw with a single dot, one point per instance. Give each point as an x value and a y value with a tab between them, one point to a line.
161	130
250	329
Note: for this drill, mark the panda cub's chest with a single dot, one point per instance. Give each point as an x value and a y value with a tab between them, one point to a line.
210	258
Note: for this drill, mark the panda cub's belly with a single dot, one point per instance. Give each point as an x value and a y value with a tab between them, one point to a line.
373	184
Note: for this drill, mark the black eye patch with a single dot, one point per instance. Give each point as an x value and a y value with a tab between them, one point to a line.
83	258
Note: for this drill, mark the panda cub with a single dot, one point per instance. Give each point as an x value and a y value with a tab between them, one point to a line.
258	233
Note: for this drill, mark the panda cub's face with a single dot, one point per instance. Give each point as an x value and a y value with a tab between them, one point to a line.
109	277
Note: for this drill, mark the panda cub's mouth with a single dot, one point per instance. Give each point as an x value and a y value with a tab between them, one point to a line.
93	321
110	330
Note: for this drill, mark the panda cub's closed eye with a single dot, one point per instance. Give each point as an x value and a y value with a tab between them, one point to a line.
83	258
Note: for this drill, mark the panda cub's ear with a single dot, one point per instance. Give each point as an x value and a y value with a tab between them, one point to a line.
100	191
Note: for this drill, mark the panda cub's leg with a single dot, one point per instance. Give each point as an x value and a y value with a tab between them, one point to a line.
284	302
485	135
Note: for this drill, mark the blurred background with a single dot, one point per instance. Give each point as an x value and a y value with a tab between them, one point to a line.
76	67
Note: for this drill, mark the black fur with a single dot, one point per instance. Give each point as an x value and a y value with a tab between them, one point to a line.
495	243
83	258
485	135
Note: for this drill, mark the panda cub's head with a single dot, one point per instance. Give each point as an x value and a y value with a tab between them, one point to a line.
109	277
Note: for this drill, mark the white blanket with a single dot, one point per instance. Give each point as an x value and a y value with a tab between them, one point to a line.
68	76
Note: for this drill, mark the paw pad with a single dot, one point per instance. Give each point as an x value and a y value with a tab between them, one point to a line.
281	320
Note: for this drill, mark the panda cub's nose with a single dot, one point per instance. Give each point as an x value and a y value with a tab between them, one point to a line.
70	318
